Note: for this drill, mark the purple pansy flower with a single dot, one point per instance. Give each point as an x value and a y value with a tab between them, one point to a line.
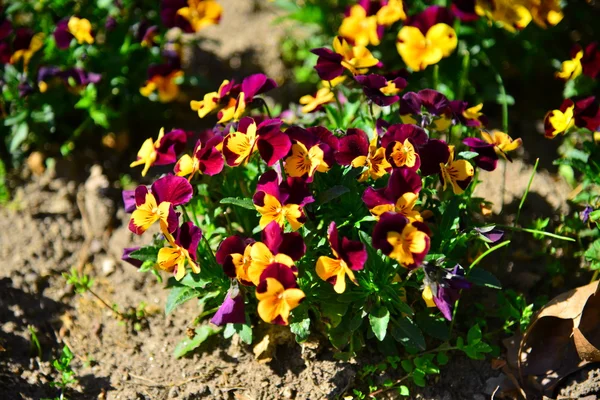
232	311
379	90
445	286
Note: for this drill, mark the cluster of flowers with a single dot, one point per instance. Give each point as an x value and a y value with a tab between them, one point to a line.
579	112
424	39
20	44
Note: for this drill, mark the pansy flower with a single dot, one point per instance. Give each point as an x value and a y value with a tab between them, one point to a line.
587	113
590	62
266	138
72	77
399	196
571	69
546	12
182	252
402	143
128	200
379	90
206	160
157	204
509	14
276	247
163	78
438	158
281	201
233	255
312	150
364	22
126	256
76	28
405	241
468	116
316	102
390	12
232	311
427	108
464	10
146	34
190	15
278	294
561	120
163	151
494	144
211	100
331	64
442	287
356	150
350	256
427	38
25	45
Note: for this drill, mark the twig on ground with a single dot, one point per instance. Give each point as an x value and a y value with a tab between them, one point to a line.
153	383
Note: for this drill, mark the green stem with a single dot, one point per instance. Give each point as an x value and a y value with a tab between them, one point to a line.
552	235
488	251
537	161
464	75
436	76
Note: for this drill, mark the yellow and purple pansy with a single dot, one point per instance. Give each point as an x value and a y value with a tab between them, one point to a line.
164	79
181	252
331	64
266	138
438	158
25	45
158	204
69	77
364	22
380	90
76	28
190	15
163	151
312	151
402	143
561	120
468	116
442	286
405	241
399	196
493	145
350	256
233	255
427	38
583	61
315	103
427	108
205	160
281	201
355	149
278	294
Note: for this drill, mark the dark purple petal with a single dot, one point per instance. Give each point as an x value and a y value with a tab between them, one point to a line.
303	136
400	132
402	180
372	84
489	233
487	158
292	245
354	253
170	18
433	101
296	191
127	256
269	183
281	273
210	160
329	64
272	236
129	200
434	153
431	16
110	24
174	189
256	84
375	197
62	36
172	219
188	236
171	144
140	195
585	214
22	39
590	62
232	311
587	113
332	236
464	10
354	144
5	53
388	222
231	245
444	302
5	29
273	146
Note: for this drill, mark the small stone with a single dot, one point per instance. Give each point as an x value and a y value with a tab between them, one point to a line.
287	393
108	266
174	392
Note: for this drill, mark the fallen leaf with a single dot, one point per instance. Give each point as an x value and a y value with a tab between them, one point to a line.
586	351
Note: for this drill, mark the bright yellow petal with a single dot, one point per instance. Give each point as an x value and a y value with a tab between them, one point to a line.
428	296
443	37
185	166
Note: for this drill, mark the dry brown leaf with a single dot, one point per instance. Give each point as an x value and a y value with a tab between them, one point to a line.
261	351
562	338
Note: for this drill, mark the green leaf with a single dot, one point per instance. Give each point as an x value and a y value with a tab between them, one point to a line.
201	334
433	327
408	333
403	391
442	358
301	329
419	377
15	119
331	194
592	254
244	332
100	118
194	281
407	366
19	135
379	319
240	202
146	253
481	277
179	295
474	335
467	155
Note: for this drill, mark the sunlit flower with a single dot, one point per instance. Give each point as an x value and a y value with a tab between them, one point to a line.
350	255
331	64
495	144
381	91
182	252
402	143
266	138
428	108
25	45
561	120
316	102
572	68
438	158
165	79
399	196
312	150
360	28
391	12
281	201
356	150
545	12
158	204
590	62
205	160
233	255
163	151
76	28
587	113
278	294
509	14
405	241
146	34
190	15
232	311
442	286
276	247
427	38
